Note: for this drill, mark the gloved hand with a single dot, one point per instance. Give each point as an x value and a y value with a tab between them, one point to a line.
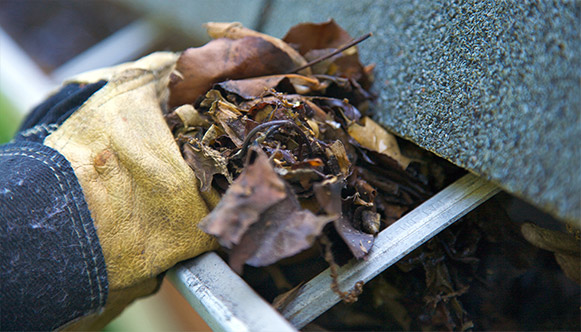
144	199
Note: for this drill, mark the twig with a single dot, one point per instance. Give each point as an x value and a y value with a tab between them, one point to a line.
272	125
350	296
351	43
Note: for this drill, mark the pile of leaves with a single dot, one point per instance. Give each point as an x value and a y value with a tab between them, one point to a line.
478	274
279	128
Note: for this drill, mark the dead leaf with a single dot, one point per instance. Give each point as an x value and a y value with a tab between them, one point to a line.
358	242
328	194
251	88
571	266
212	134
205	162
197	69
317	39
550	240
374	137
347	111
236	30
313	36
344	88
283	231
338	156
256	190
566	247
386	169
190	117
305	165
227	115
350	67
305	177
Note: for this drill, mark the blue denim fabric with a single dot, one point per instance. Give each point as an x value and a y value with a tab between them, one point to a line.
52	268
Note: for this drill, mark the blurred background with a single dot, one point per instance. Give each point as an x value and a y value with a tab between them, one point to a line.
44	42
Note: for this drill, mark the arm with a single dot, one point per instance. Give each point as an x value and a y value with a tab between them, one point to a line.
52	267
140	201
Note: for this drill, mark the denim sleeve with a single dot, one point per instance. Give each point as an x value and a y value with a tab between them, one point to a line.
52	266
52	269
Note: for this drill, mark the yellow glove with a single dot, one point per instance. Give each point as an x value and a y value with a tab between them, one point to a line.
143	197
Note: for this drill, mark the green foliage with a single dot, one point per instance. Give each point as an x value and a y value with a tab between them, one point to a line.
9	120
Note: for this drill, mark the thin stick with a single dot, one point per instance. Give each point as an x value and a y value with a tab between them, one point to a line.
337	51
273	125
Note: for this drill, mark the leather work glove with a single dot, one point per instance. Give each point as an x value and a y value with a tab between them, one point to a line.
143	198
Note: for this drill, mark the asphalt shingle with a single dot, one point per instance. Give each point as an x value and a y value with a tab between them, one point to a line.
492	86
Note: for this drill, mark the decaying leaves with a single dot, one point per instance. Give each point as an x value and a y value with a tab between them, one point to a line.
292	153
316	39
260	219
206	161
374	137
199	68
301	167
237	31
256	190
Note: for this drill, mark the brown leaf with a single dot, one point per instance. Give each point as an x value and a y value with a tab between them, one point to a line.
358	242
197	69
256	190
328	194
374	137
302	176
251	88
350	67
235	30
381	166
260	218
312	36
348	112
566	247
213	133
338	156
550	240
316	162
571	266
312	132
283	231
317	39
227	115
344	88
186	116
205	162
190	117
